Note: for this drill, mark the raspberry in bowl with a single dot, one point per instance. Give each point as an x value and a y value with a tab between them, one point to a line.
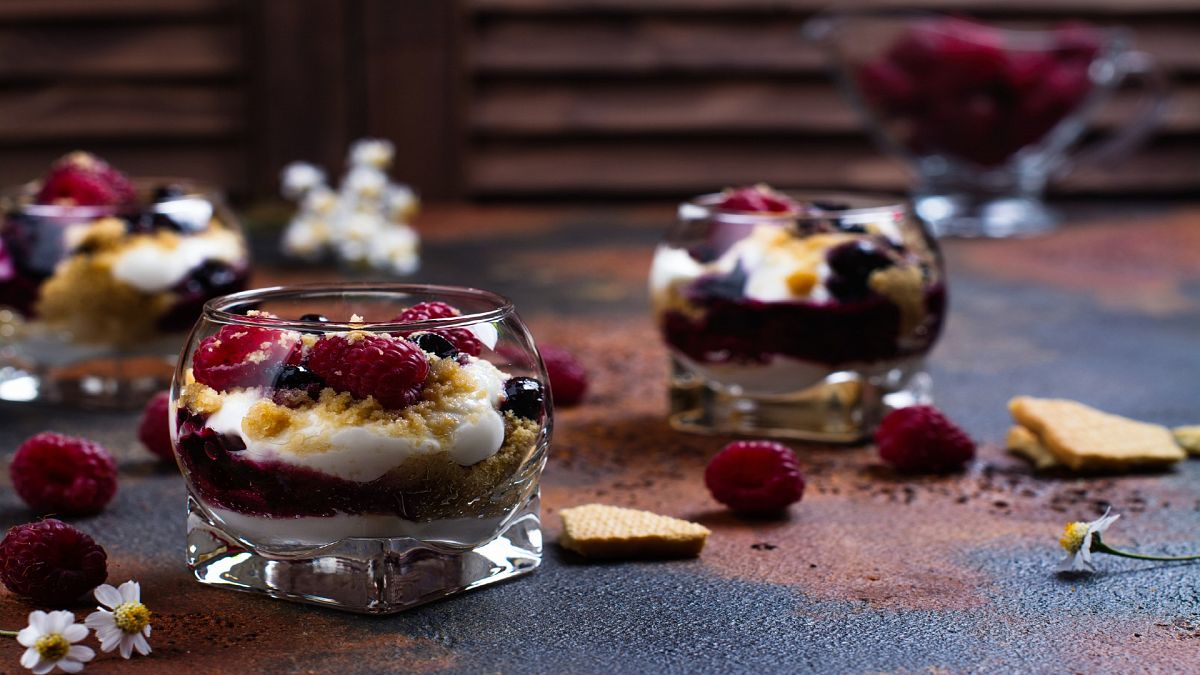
795	315
100	278
375	429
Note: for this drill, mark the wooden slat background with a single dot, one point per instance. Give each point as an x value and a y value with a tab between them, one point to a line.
667	97
499	98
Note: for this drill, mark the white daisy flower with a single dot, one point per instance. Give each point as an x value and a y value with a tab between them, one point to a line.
395	248
364	182
373	152
49	639
320	201
1076	540
126	622
400	202
306	238
300	177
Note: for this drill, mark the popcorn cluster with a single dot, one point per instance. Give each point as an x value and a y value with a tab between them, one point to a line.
364	222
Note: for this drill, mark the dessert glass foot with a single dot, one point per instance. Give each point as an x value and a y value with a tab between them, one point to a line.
845	407
369	576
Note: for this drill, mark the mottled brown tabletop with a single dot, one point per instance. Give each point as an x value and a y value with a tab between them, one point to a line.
871	572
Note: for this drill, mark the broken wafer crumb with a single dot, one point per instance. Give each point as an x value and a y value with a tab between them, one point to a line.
600	531
1085	439
1188	438
1023	442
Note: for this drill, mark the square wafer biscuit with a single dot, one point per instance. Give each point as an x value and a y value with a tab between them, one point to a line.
1023	442
599	531
1083	438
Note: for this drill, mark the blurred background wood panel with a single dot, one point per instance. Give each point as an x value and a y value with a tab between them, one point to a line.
500	98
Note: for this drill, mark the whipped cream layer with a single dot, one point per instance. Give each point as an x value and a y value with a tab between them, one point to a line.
364	453
319	531
779	265
151	267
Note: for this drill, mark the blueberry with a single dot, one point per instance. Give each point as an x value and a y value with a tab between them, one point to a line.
146	223
523	396
209	280
165	193
856	260
731	286
297	377
830	206
435	344
318	318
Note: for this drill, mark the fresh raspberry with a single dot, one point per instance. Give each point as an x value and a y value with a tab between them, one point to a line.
568	379
51	562
82	179
154	431
756	199
61	474
462	339
390	369
755	477
920	438
424	311
243	356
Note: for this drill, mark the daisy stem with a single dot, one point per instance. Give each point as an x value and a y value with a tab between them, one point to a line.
1100	547
8	633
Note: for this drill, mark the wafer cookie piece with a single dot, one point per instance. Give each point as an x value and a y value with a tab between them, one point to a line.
1188	438
1023	442
1086	439
599	531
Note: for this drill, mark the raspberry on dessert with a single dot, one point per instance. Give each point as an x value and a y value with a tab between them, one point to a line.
154	430
462	339
51	562
524	398
921	438
242	356
756	199
568	379
755	477
392	370
82	179
54	473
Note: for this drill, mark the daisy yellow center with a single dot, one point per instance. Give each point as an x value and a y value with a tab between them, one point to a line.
1072	536
131	617
52	647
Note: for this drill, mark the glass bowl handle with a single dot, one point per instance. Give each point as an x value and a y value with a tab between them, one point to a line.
1142	68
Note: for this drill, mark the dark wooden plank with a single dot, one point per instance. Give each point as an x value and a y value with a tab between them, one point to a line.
74	10
120	50
683	167
304	87
218	164
414	89
707	45
108	111
702	106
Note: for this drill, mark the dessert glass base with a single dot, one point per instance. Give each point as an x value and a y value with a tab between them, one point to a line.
45	369
984	215
369	576
845	407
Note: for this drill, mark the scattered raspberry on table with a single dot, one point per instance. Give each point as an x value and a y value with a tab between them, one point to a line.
757	477
65	475
921	439
51	562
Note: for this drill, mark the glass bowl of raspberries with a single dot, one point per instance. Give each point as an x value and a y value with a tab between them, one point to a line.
796	315
986	116
364	446
101	277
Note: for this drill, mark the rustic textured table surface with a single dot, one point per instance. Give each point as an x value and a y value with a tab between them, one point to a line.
871	572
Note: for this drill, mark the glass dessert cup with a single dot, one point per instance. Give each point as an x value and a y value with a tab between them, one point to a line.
985	117
96	300
355	446
807	324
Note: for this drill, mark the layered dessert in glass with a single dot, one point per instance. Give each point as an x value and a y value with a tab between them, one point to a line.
101	276
795	315
359	425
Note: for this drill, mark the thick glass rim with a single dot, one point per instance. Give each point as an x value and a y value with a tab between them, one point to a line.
812	202
217	309
18	199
